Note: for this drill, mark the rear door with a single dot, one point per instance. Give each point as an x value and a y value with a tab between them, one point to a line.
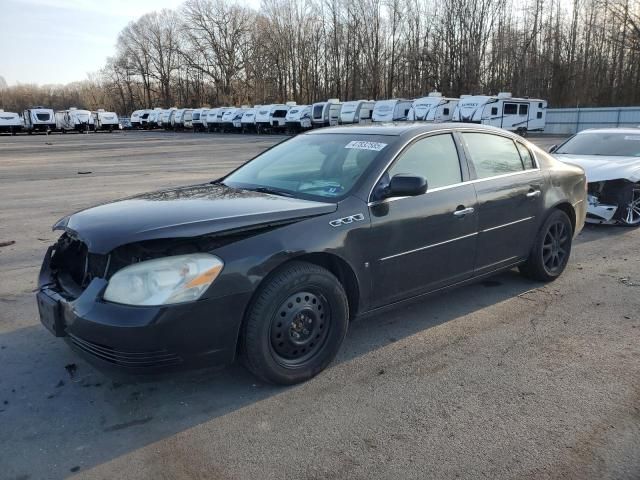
428	241
509	187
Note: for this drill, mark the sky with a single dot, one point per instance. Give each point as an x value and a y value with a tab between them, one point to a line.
61	41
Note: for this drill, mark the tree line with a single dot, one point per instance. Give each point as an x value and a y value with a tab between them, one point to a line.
218	52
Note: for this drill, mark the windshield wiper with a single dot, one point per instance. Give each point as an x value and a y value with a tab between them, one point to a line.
272	191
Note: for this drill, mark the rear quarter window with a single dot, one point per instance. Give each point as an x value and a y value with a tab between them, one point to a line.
492	155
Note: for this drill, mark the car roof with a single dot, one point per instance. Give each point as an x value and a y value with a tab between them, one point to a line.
631	130
400	128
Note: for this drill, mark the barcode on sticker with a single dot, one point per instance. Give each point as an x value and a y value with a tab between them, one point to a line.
361	145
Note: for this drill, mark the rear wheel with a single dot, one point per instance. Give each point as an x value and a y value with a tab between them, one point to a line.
295	325
551	249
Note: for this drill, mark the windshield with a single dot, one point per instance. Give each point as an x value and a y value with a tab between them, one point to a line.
312	166
617	144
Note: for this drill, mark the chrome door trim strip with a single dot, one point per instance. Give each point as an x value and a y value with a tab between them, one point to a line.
506	224
427	247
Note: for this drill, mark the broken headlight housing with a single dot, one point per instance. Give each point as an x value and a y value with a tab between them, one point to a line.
164	281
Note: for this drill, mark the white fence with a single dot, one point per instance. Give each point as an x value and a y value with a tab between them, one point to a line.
565	121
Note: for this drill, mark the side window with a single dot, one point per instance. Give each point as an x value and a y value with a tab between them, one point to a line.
494	111
445	111
525	155
510	109
539	115
434	158
524	109
492	155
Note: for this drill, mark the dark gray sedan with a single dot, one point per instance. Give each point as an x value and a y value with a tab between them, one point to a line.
272	261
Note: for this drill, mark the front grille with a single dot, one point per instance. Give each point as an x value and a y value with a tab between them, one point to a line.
157	358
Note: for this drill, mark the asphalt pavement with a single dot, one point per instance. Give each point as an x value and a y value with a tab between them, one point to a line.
503	379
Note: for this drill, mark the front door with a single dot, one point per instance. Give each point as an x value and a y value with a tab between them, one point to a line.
428	241
509	190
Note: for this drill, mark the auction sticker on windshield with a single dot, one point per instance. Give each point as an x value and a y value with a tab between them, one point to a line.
362	145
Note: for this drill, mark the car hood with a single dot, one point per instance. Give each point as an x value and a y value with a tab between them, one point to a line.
184	212
600	168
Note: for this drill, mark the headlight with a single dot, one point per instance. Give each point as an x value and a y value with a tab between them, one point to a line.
164	281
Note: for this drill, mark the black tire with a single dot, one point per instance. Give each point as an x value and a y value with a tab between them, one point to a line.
628	200
551	249
295	324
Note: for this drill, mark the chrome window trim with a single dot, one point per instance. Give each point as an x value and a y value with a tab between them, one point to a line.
451	131
455	185
428	246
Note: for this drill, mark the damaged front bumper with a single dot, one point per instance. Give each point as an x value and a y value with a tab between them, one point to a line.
601	213
140	339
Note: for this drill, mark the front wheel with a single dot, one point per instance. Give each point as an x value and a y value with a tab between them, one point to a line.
551	249
295	325
630	210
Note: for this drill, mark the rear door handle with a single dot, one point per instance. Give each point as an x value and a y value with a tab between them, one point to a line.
534	193
461	212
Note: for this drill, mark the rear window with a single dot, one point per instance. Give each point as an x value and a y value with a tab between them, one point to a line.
317	111
492	155
510	109
43	116
280	113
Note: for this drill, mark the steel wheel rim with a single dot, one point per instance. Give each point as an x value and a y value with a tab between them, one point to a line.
555	247
299	328
632	210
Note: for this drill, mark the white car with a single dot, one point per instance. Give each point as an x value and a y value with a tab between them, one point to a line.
611	159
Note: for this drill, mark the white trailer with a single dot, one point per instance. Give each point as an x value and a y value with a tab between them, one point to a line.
136	117
298	118
237	118
228	117
263	118
326	114
39	119
198	119
248	120
103	120
519	115
358	111
215	123
165	118
432	108
150	121
279	116
10	122
187	119
74	120
209	120
394	110
177	121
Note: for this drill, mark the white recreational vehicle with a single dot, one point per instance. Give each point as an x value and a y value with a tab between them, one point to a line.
10	122
395	110
150	122
229	117
433	108
105	120
187	119
215	124
326	114
298	118
74	120
136	118
279	116
177	121
165	118
248	120
197	119
237	118
39	119
263	118
358	111
209	120
520	115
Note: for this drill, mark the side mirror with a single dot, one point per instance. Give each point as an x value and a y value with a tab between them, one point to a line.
406	186
553	148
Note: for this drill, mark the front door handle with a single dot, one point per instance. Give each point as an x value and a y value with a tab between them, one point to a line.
461	211
534	193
